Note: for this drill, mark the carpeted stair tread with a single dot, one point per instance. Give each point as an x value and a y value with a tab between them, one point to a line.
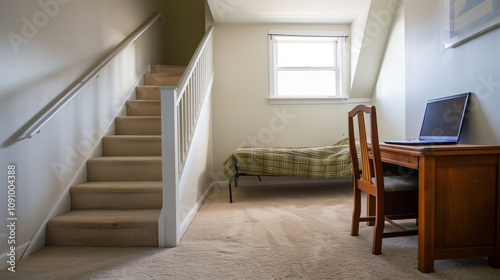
143	108
168	69
161	79
106	169
131	145
147	93
104	228
117	195
108	218
138	125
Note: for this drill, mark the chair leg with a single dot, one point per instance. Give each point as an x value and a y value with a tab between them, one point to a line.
378	231
230	194
356	213
370	208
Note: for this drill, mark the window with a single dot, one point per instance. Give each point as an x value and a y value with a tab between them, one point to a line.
306	67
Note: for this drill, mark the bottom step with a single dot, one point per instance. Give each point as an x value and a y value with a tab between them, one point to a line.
104	228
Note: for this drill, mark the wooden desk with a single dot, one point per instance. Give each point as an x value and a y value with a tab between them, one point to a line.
459	200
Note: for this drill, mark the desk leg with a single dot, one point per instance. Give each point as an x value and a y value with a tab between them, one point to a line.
426	213
495	261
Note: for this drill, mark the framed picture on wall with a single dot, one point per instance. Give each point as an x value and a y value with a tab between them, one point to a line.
466	19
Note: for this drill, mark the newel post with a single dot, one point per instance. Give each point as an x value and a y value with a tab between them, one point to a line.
168	223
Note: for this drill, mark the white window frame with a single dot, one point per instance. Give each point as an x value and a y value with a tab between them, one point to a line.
341	69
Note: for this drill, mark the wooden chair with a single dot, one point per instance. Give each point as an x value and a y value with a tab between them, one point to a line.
390	197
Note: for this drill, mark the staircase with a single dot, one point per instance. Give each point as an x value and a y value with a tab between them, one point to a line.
120	204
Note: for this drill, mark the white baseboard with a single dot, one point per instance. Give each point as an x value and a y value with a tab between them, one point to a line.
220	184
190	216
63	203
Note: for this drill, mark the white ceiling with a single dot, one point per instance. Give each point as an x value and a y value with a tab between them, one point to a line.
287	11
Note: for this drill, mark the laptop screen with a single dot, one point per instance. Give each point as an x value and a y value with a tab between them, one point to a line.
443	118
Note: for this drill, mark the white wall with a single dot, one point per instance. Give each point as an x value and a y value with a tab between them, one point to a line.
241	112
389	95
433	72
62	41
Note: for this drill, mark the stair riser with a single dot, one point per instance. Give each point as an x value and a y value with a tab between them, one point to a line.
168	69
147	93
131	147
138	126
116	201
161	80
107	171
84	236
143	108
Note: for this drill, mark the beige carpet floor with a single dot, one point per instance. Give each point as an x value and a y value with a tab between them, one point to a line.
270	232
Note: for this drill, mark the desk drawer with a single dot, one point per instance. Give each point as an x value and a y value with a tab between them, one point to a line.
399	159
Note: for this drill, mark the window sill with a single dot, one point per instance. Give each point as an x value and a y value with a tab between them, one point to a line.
316	100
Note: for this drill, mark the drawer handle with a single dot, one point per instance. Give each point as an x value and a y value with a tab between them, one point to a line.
407	159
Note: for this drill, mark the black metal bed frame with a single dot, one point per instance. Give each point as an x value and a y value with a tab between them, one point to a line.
238	174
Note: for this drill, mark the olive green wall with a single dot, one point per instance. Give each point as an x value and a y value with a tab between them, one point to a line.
184	25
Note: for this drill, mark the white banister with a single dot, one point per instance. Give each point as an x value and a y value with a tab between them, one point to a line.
168	219
180	110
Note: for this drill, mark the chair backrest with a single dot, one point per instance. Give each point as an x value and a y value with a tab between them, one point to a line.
369	168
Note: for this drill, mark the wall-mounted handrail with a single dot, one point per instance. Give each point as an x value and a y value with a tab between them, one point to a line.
45	117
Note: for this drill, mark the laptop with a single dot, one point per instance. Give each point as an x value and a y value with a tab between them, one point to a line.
442	122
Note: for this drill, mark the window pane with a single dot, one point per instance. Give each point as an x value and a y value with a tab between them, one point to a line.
311	83
302	54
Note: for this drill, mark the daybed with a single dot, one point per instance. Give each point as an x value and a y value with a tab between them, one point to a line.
324	162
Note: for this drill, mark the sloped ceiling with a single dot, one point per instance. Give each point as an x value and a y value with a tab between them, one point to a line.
371	22
286	11
369	36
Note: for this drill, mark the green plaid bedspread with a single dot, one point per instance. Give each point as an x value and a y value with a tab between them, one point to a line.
324	162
